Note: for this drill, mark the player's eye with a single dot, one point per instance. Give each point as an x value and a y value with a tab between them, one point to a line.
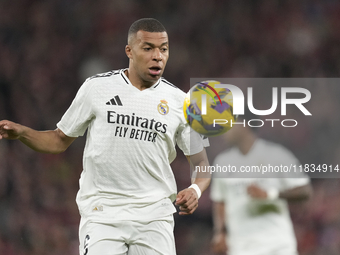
147	48
164	49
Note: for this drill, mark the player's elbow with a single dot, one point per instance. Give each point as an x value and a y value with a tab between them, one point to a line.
60	147
59	150
50	150
61	142
308	192
305	193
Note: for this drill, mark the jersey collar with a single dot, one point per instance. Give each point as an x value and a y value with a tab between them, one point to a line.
127	81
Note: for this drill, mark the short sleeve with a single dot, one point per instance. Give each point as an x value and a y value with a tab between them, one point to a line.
291	183
78	116
189	141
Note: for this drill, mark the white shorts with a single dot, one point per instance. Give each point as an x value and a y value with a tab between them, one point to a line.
127	237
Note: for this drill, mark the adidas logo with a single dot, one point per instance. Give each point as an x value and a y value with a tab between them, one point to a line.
115	101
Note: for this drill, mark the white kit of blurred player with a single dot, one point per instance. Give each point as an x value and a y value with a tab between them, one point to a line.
251	215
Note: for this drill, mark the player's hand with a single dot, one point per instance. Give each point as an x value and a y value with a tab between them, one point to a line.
218	243
187	200
256	192
10	130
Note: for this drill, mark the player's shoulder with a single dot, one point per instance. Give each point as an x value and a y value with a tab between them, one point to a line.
103	80
100	76
171	91
168	86
275	149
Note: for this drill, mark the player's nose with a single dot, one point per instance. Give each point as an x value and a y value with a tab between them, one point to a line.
157	55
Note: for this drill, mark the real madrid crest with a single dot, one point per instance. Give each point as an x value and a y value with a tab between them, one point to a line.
163	107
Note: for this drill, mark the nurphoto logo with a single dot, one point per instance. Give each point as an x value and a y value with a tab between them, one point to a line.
239	99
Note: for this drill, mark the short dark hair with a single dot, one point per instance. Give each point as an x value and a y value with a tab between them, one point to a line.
146	24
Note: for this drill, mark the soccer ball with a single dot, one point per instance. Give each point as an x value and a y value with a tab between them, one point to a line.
218	110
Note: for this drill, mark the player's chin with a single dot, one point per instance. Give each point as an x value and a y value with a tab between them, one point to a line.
153	77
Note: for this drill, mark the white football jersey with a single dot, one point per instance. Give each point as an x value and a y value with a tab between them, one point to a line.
257	226
130	144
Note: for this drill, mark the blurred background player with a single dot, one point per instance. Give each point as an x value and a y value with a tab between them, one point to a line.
133	119
251	215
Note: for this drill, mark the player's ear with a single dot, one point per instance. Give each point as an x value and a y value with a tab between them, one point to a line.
128	51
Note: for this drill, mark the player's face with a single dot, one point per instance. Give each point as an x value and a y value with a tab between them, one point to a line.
149	53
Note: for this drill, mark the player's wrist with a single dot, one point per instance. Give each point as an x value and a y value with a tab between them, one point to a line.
197	189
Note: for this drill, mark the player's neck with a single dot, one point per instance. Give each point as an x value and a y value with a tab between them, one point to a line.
136	81
247	143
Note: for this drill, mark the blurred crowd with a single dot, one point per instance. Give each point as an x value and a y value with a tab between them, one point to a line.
48	48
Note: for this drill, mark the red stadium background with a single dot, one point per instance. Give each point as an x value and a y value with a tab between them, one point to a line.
48	48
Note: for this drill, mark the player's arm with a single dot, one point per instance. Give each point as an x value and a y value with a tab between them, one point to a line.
295	194
51	141
218	242
200	161
187	199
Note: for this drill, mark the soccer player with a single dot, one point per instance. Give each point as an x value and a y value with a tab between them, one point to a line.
251	215
133	119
